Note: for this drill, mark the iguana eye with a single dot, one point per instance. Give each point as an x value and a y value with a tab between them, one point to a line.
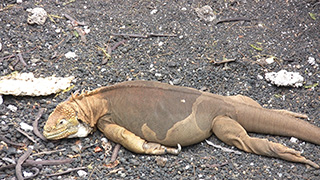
62	121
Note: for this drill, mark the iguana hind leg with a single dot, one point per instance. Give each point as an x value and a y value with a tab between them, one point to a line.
132	142
232	133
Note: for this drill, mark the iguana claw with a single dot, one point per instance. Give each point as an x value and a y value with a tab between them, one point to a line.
174	150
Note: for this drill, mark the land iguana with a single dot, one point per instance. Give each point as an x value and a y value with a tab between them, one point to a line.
153	118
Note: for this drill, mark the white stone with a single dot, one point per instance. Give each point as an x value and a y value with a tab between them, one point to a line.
270	60
12	108
70	55
285	78
26	126
293	140
37	16
312	60
82	173
206	13
154	11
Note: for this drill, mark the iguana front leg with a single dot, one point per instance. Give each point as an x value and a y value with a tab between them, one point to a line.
132	142
232	133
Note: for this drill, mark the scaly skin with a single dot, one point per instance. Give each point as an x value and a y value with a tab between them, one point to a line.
150	117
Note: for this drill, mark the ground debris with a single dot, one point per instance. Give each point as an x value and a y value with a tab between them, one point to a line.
285	78
25	84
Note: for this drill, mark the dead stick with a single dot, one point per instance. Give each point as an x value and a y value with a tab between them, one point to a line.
38	163
48	152
21	59
25	134
67	171
35	125
20	161
73	21
143	36
10	142
115	152
233	19
36	172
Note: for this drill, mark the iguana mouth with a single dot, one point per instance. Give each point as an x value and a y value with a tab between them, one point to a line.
60	133
80	130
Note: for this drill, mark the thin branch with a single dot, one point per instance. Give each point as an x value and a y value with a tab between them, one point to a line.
222	62
21	59
10	142
38	163
233	20
36	172
25	134
115	152
73	21
148	35
20	162
49	152
35	125
67	171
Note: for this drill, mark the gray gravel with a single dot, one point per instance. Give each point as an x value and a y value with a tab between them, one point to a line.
283	29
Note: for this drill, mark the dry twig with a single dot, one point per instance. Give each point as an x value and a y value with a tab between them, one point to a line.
9	142
73	21
233	20
25	134
148	35
35	125
115	152
38	163
67	171
221	62
20	162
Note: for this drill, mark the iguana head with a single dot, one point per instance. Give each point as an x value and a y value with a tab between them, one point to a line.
63	123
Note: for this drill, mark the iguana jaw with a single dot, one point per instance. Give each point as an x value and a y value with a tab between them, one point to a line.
72	129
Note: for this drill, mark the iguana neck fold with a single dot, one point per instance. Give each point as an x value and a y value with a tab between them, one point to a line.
89	107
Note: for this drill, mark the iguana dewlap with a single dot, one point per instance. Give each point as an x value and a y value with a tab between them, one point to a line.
151	117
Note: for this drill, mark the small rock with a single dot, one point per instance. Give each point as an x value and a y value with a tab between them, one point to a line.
26	127
153	11
206	13
12	108
172	64
27	174
158	74
134	162
293	140
176	81
37	16
82	173
70	54
270	60
1	100
312	60
161	161
285	78
4	126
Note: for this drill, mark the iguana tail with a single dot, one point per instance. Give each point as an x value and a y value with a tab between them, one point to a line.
277	122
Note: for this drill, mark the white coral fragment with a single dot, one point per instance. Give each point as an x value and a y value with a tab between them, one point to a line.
206	13
37	16
285	78
25	84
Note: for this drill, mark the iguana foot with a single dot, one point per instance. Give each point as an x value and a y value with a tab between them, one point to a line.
158	149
